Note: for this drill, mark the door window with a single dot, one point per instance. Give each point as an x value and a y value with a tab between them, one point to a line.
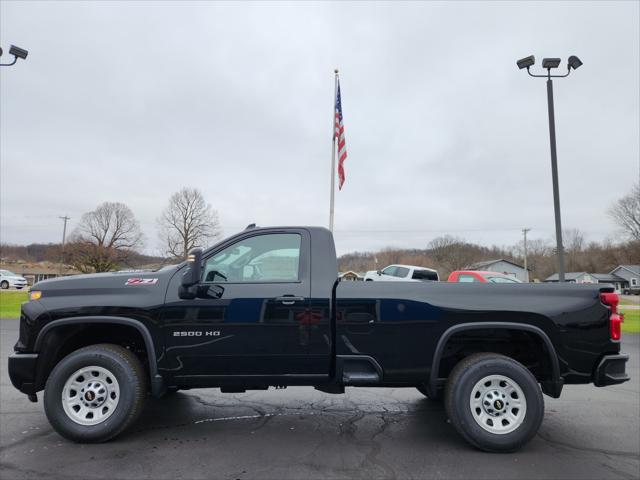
467	279
425	275
270	258
401	272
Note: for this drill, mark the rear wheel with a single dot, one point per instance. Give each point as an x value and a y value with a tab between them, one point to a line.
95	393
494	402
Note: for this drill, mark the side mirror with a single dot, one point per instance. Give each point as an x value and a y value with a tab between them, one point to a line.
379	272
193	274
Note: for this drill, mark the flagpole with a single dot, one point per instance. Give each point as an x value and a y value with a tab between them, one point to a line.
333	152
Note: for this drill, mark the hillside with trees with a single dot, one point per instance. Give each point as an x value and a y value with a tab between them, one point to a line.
448	253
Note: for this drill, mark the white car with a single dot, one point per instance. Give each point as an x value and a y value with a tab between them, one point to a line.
10	279
402	273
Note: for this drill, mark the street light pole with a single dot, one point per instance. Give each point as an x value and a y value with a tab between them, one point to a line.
554	179
549	63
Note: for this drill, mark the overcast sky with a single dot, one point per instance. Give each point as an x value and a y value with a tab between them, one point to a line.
130	101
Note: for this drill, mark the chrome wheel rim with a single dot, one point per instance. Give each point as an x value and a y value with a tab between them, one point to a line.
498	404
90	395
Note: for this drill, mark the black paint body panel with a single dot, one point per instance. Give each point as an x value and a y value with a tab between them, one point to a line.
245	336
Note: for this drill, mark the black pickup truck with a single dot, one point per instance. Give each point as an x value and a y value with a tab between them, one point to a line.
265	308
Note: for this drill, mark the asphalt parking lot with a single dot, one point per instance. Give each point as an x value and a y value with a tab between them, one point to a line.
589	433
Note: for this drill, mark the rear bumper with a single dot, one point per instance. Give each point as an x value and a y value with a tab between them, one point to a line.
22	371
611	370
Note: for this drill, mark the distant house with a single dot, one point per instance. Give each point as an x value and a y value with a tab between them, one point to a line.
618	282
353	276
630	273
35	272
501	266
621	277
573	277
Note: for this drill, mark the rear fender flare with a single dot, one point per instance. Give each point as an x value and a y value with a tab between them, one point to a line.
156	380
551	351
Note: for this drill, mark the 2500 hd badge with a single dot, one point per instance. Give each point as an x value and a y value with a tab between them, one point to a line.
197	333
99	345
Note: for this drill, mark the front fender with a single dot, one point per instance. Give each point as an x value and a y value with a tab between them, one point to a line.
156	380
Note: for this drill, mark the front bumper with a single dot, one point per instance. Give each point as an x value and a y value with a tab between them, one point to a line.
611	370
22	371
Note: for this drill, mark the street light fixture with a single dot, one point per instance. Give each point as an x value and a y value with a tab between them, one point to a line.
526	62
17	53
549	63
574	62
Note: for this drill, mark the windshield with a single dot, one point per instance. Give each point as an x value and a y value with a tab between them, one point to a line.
503	280
8	273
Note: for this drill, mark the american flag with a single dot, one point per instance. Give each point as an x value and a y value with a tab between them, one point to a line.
338	133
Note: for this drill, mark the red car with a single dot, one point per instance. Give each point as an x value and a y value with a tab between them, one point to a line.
481	277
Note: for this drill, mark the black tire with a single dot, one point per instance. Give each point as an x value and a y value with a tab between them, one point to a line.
434	398
466	375
131	380
4	285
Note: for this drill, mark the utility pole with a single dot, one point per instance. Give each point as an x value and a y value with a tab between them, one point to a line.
65	219
524	232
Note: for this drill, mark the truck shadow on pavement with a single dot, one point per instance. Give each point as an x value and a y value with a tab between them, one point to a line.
196	413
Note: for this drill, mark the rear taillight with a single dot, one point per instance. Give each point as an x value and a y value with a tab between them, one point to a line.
611	300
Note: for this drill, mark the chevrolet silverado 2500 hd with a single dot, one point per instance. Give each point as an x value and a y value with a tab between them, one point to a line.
264	308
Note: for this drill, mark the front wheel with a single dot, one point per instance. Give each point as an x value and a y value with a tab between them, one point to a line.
4	285
95	393
494	402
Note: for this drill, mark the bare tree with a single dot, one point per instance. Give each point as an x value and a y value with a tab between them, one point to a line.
187	222
104	238
626	213
574	242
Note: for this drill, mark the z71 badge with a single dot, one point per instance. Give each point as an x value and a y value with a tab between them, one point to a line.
141	281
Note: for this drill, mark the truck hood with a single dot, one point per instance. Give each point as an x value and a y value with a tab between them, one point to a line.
111	280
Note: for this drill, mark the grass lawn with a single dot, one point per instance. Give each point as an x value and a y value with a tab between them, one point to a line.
635	300
10	303
631	322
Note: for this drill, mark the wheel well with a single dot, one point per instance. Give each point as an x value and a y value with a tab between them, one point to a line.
526	347
62	340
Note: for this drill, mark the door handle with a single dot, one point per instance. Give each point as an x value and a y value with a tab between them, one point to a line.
289	299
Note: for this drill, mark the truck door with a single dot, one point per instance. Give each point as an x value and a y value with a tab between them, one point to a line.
251	315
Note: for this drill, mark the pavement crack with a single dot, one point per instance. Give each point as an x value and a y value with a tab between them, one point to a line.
601	451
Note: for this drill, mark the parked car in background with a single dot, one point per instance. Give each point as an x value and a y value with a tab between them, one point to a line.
402	273
479	276
10	279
